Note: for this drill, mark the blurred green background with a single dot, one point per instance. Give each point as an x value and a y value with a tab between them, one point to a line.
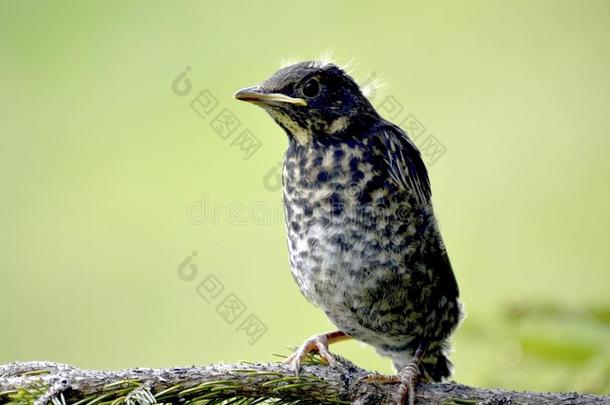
102	168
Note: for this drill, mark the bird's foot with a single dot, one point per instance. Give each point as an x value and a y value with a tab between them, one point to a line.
407	378
315	344
408	381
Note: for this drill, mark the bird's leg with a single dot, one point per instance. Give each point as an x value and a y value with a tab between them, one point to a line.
316	344
406	377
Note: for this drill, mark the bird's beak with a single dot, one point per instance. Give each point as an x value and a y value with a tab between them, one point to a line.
257	96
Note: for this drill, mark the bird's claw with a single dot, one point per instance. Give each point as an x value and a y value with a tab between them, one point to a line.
315	344
407	378
375	378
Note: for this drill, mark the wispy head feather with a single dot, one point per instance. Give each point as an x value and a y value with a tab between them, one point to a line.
285	62
370	85
324	59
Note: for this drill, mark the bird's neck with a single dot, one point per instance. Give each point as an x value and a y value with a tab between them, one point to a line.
341	130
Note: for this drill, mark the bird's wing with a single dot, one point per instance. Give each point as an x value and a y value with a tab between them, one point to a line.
407	170
404	163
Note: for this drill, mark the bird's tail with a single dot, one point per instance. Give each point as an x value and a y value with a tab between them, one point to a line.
435	367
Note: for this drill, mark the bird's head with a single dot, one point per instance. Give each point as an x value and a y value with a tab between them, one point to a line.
312	100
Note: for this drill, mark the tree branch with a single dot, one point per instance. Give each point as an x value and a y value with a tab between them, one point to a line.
40	383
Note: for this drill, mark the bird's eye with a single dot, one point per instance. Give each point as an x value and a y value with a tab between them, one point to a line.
311	88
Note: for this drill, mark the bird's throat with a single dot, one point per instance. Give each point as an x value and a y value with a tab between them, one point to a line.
300	134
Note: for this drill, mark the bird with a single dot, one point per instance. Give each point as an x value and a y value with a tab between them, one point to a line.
364	243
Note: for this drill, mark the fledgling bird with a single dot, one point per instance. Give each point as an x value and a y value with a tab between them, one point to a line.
363	241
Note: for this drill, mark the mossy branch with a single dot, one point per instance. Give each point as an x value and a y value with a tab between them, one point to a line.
42	383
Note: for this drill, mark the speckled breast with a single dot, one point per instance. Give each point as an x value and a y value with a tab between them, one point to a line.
357	245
